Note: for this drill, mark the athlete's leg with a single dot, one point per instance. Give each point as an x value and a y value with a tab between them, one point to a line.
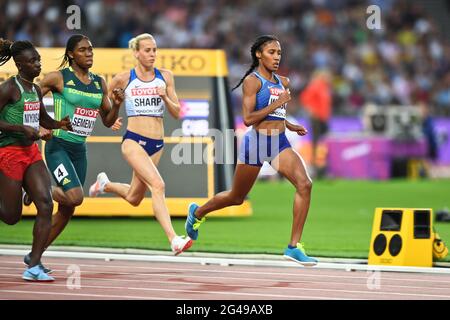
68	165
70	198
147	172
67	202
59	221
133	193
291	165
10	200
37	183
244	178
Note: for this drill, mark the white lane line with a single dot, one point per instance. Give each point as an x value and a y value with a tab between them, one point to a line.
306	282
80	295
370	292
184	291
423	278
220	261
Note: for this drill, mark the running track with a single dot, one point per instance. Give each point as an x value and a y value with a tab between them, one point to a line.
100	279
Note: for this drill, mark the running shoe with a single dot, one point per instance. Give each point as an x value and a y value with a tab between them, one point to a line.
192	223
180	244
36	274
99	186
298	255
27	260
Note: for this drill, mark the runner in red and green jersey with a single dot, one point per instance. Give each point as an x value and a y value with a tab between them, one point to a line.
21	165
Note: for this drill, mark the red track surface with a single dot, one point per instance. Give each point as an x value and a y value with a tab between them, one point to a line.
153	280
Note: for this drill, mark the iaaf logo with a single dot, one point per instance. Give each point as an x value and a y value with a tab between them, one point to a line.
32	106
85	112
144	91
276	91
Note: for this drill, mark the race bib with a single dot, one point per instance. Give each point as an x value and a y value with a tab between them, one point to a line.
31	114
83	121
274	95
147	102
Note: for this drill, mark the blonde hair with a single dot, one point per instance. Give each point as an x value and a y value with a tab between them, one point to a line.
134	42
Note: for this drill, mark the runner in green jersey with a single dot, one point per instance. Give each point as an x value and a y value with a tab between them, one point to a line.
21	164
82	95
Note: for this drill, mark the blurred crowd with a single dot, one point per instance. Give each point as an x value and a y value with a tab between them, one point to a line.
405	62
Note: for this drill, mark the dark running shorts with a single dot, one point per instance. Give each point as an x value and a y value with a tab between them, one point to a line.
151	146
257	148
67	162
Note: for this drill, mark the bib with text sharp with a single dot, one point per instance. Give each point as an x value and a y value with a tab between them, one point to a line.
142	98
147	102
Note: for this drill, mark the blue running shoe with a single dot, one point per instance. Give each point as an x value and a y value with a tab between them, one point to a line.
36	274
27	260
298	255
192	223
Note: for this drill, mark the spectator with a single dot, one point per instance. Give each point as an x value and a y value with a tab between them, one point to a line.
407	54
316	99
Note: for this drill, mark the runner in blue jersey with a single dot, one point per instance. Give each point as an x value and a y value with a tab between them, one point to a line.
265	95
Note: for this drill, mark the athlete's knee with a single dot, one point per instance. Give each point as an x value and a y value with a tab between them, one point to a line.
236	200
12	219
158	186
11	214
75	199
134	200
66	211
304	185
44	206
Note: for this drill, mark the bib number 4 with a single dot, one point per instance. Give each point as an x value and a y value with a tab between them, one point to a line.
60	173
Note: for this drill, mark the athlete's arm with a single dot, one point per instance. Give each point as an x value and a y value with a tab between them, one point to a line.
9	94
52	82
250	88
48	122
299	129
110	111
169	95
5	94
120	80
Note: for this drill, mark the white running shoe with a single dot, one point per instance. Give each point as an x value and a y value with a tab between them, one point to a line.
180	244
99	186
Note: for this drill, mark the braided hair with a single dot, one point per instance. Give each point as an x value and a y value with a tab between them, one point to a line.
70	46
256	46
10	49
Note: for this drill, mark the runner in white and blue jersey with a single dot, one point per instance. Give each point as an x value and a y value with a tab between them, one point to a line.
148	93
265	96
